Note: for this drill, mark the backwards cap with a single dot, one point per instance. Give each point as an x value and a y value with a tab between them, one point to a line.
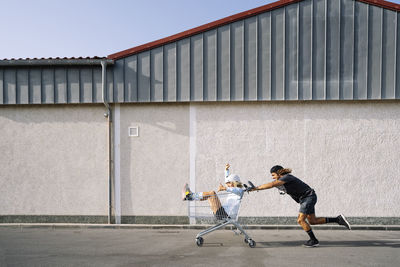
232	178
276	168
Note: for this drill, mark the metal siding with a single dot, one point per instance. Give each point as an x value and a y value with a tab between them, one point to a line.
310	50
388	54
361	51
333	49
264	57
48	86
74	86
346	50
250	58
237	64
60	86
10	96
374	53
109	94
170	70
97	86
130	76
23	86
156	74
210	66
119	92
224	64
397	66
196	68
291	53
318	50
183	70
2	87
35	83
278	54
305	50
144	77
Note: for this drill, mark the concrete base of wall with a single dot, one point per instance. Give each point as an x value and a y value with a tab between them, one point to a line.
177	220
52	219
56	226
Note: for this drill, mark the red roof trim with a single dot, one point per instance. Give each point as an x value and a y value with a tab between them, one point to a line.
203	28
227	20
383	4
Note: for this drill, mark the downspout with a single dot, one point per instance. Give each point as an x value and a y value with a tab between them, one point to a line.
107	115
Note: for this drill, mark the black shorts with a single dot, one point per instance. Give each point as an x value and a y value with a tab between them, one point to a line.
221	214
307	204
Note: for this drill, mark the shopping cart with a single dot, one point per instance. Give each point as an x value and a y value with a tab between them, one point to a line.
201	213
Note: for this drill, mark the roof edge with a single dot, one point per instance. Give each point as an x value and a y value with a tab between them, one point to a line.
381	3
202	28
227	20
54	62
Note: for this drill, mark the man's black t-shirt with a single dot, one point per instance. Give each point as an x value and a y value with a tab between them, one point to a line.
295	187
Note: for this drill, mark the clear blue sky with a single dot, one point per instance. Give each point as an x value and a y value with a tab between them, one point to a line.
73	28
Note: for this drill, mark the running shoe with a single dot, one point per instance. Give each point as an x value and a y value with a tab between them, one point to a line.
186	193
342	221
311	243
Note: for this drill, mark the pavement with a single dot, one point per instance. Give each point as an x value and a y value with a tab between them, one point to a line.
166	246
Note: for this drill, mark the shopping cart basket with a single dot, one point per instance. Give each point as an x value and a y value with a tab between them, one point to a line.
201	212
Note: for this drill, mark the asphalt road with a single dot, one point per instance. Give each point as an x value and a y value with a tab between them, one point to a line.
164	247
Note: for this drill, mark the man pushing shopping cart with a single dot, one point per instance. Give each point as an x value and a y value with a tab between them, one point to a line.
223	206
227	212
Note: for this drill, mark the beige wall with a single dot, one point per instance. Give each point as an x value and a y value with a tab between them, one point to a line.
348	152
53	160
155	165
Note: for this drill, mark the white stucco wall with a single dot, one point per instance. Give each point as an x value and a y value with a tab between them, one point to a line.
155	165
347	151
53	160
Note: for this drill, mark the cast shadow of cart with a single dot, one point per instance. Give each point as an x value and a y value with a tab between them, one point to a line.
349	243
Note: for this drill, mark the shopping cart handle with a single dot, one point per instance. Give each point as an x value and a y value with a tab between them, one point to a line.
248	189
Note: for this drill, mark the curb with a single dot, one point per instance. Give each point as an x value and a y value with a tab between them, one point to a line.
56	226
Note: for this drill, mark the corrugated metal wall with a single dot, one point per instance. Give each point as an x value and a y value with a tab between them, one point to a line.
311	50
49	85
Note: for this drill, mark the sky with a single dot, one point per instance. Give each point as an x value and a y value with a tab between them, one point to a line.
87	28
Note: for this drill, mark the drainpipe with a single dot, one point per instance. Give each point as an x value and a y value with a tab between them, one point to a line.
107	115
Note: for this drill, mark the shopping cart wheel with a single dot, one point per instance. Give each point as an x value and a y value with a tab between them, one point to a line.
246	241
199	241
252	243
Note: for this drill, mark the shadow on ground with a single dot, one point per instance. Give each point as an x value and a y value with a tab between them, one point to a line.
363	243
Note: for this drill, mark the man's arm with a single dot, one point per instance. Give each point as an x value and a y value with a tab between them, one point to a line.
269	185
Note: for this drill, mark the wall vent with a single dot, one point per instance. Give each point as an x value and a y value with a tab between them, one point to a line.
133	131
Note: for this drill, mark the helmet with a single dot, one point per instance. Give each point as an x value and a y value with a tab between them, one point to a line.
232	178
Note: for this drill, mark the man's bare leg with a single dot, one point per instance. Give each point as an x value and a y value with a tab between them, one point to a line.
301	220
213	200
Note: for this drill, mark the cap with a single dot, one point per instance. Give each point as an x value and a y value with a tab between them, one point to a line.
276	168
232	178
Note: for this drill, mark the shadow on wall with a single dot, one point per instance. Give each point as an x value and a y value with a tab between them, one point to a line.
145	113
299	110
49	113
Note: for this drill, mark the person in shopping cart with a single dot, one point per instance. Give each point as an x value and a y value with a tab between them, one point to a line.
232	203
305	196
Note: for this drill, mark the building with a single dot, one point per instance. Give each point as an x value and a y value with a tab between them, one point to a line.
313	85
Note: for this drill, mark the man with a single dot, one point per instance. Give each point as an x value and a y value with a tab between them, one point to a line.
305	196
